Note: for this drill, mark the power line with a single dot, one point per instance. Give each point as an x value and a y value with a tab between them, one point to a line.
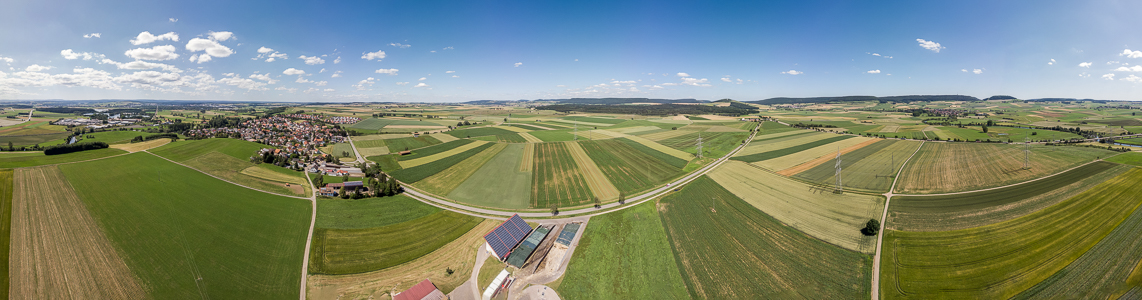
838	189
699	147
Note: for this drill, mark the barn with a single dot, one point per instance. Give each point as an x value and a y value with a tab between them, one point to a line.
504	238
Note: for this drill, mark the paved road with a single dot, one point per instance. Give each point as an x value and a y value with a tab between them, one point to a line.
880	234
355	152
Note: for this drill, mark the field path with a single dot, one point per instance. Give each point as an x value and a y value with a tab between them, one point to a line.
309	238
880	233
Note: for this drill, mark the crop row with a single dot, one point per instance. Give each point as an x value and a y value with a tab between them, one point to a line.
556	178
628	169
478	131
667	158
422	171
348	251
790	150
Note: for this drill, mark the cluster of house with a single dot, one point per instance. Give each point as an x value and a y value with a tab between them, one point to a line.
291	137
96	123
330	119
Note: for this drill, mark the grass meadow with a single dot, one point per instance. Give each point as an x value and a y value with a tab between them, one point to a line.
32	159
349	251
410	143
499	182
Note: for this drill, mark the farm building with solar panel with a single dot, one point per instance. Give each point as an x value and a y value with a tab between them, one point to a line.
504	238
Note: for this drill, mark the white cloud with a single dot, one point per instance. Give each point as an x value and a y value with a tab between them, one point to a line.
165	52
92	35
518	64
1085	65
977	71
1108	76
402	83
172	20
221	35
726	79
292	71
320	83
265	50
387	71
245	83
680	74
69	55
6	59
336	74
1051	62
322	71
329	90
449	72
399	45
422	79
873	72
37	68
455	76
379	55
367	82
263	77
740	80
421	85
695	82
1084	75
1132	78
1136	68
964	70
793	72
1131	54
200	58
211	48
142	65
302	80
146	37
312	60
930	45
337	61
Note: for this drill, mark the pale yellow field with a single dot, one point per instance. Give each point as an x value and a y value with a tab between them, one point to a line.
58	250
379	137
890	128
823	159
788	161
366	152
723	129
136	147
580	123
527	160
658	136
598	182
635	130
662	148
833	218
431	158
610	133
766	146
444	138
459	255
444	182
530	138
513	128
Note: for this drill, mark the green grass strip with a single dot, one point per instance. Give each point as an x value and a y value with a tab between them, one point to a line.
669	159
424	152
420	172
6	189
787	151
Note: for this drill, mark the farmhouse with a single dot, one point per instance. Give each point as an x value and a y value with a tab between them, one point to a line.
332	189
424	290
504	238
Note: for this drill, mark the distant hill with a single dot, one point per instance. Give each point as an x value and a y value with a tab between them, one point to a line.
1000	97
909	98
626	101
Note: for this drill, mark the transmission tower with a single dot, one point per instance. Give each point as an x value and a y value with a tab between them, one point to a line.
575	136
1027	153
699	148
838	188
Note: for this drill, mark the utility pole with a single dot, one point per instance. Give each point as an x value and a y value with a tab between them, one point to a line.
838	188
1027	153
575	136
699	148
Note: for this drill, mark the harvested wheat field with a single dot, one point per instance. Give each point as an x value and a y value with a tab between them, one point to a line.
58	250
956	167
598	182
136	147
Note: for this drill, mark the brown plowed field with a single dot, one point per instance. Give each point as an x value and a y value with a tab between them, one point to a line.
58	250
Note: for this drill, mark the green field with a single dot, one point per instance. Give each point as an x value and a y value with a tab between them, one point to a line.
728	249
1003	259
790	150
659	155
961	211
595	120
109	137
956	167
479	131
370	212
498	183
6	190
1128	158
375	124
241	243
869	168
1100	272
503	138
410	143
369	143
556	179
714	144
186	150
436	149
528	127
422	171
629	169
623	255
553	135
348	251
388	163
31	159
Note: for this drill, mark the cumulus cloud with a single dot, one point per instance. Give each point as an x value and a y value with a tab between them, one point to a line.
165	52
455	76
172	20
265	50
312	60
402	83
210	47
329	90
200	58
878	54
221	35
518	64
793	72
977	71
337	61
269	54
873	72
363	83
37	68
1051	62
1132	78
681	74
1136	68
387	71
1131	54
421	85
6	59
1108	76
142	65
1085	65
695	82
263	77
146	37
69	55
336	74
422	79
399	45
292	71
930	45
92	35
379	55
449	72
302	80
727	79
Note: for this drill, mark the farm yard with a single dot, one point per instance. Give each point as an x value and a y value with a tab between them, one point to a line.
955	167
1003	259
727	248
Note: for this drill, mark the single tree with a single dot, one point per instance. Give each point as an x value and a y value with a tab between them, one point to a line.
871	228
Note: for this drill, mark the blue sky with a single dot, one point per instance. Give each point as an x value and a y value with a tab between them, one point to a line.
442	51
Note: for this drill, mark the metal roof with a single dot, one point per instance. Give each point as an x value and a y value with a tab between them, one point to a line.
507	236
567	234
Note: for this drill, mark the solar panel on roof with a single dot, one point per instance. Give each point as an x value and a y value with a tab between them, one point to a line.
507	235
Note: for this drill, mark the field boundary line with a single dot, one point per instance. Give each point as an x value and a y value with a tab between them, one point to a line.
309	238
222	179
883	220
1009	185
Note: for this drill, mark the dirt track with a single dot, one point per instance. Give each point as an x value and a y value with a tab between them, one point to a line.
58	250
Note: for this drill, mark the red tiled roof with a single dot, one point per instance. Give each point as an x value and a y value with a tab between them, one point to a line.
417	292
